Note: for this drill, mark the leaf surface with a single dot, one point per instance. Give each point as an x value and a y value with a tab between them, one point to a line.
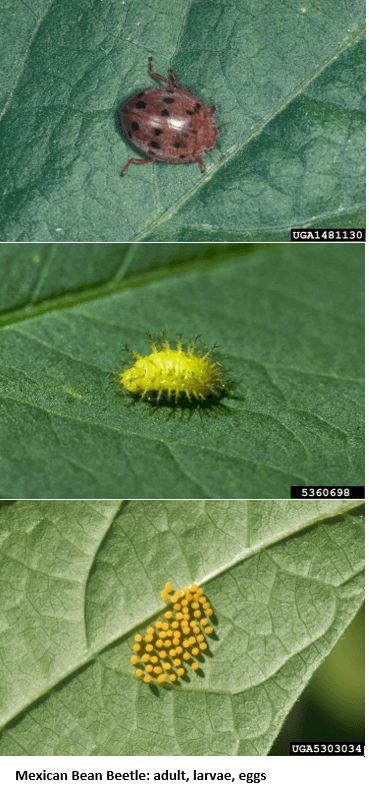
289	84
289	322
78	579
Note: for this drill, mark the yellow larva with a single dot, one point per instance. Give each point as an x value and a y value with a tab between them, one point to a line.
173	375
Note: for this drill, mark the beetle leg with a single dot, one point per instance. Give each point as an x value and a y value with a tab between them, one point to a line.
173	77
156	76
135	162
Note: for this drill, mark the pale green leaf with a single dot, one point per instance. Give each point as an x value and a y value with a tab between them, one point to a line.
78	579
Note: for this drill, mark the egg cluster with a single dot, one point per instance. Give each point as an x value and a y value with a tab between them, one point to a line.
176	641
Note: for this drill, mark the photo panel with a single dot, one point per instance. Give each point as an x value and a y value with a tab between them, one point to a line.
247	119
168	371
186	629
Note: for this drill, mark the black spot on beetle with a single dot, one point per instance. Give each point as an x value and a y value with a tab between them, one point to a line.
135	126
154	144
158	131
182	156
184	134
129	134
141	105
140	94
189	112
165	113
176	145
197	107
168	101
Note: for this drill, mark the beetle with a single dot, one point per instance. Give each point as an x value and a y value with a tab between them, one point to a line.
168	124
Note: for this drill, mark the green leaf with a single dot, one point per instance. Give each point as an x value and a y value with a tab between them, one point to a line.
289	321
34	273
78	579
289	84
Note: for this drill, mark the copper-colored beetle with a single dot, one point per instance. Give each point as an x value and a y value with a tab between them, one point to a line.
168	124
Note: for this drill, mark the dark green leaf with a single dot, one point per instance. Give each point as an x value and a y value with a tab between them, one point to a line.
289	84
289	321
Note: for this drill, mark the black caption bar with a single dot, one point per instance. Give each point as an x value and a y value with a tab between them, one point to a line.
327	492
331	749
327	234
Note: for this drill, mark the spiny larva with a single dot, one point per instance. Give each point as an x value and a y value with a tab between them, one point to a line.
183	373
168	124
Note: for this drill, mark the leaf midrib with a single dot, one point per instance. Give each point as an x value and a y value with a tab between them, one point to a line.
75	297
